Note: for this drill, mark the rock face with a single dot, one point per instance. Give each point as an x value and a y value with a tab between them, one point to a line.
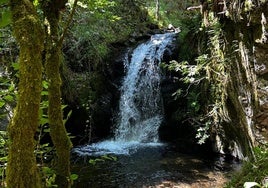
94	99
238	90
260	58
247	87
261	67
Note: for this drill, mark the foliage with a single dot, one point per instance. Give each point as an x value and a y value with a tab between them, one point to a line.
253	172
171	12
8	92
7	95
206	82
49	177
5	14
102	159
3	156
45	152
110	22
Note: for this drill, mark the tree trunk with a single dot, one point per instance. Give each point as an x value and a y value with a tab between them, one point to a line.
22	170
58	132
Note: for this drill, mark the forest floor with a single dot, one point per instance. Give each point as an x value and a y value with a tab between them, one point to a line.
212	180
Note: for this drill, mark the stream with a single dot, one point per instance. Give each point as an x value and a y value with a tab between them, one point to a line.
155	166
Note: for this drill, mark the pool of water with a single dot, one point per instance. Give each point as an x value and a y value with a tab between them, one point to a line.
148	166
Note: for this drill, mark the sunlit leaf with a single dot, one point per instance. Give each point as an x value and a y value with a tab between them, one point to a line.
36	3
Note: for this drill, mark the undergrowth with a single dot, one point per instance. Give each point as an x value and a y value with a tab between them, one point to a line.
254	170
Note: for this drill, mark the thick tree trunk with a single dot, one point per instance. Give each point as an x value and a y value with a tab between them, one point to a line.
22	170
58	132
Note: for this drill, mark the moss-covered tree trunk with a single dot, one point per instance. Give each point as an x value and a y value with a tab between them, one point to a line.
22	171
58	132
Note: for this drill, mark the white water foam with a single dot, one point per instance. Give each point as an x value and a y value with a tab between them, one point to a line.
113	147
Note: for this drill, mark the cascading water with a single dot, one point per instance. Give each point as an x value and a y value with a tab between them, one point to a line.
140	106
140	110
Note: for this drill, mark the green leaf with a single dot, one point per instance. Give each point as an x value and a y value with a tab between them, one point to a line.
92	161
45	145
9	98
3	133
43	121
63	106
47	170
15	66
2	103
44	93
74	177
36	3
68	116
45	84
114	158
11	87
5	18
111	158
46	130
3	159
99	160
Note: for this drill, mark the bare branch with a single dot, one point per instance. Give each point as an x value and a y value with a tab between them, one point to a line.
194	7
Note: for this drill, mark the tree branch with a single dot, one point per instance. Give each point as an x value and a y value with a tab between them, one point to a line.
194	7
67	24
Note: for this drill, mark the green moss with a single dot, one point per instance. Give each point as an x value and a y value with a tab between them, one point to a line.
22	170
58	132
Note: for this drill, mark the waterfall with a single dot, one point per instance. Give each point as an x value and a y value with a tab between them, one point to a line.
140	109
140	106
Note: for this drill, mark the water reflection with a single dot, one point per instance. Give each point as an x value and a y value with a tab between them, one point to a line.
149	167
